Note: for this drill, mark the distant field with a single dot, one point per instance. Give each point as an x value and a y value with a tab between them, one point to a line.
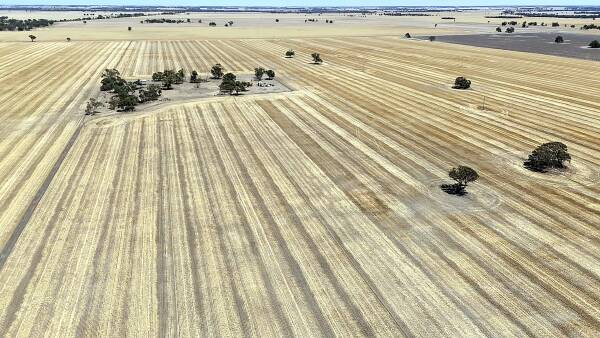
574	44
313	212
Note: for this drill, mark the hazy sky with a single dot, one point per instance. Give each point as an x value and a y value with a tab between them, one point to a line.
302	2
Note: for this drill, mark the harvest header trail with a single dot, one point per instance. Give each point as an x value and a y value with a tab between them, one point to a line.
314	212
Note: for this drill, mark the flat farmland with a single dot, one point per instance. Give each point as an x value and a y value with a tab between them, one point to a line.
313	212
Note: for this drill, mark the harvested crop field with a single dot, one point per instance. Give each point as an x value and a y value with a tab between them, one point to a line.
313	212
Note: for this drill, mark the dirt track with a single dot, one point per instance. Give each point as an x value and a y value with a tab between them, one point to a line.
309	213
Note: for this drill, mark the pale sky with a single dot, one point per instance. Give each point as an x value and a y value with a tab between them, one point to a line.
302	2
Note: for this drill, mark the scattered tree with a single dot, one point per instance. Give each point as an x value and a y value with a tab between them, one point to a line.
498	29
463	176
129	28
559	39
290	54
547	156
432	38
510	29
270	74
32	37
461	83
276	20
316	58
92	106
594	44
217	71
259	72
407	35
212	24
194	77
68	39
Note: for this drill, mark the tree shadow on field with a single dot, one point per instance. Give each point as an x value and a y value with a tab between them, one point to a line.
456	189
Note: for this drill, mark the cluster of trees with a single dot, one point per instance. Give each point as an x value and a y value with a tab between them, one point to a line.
559	39
512	23
551	155
260	72
594	44
590	26
7	24
127	94
231	85
169	77
163	20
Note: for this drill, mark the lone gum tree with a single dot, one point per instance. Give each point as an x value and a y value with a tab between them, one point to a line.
32	37
463	175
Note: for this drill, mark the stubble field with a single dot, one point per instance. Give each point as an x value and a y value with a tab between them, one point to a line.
314	212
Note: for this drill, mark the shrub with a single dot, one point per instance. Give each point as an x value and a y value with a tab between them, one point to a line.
594	44
461	83
316	58
91	106
548	155
463	176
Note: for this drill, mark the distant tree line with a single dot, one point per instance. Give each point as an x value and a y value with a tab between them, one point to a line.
7	24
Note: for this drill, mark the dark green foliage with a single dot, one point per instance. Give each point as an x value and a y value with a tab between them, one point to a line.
230	85
463	176
129	28
548	156
91	106
217	71
559	39
111	79
32	37
594	44
151	93
461	83
7	24
432	38
270	74
212	24
316	58
407	35
194	77
259	72
498	29
510	30
555	24
290	54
